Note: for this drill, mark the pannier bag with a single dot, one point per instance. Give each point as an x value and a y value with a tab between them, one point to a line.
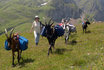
6	45
59	30
23	43
43	32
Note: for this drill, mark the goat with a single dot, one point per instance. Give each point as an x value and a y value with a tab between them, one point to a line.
68	30
13	43
50	35
84	26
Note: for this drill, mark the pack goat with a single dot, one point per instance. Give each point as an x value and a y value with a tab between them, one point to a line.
13	43
85	25
50	35
68	30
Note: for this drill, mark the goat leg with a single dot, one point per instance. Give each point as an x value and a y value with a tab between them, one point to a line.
50	49
53	48
18	56
20	53
48	52
53	45
12	58
66	38
83	30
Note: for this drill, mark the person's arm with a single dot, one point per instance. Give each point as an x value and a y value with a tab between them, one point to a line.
41	24
31	28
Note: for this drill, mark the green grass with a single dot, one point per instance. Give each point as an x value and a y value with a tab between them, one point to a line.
83	52
15	12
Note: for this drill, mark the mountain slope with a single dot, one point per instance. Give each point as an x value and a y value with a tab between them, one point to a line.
17	12
94	8
64	9
83	52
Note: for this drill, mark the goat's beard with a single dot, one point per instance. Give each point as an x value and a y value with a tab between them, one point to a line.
9	45
49	36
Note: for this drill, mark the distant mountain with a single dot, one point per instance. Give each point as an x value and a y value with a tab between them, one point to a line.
95	8
64	9
17	13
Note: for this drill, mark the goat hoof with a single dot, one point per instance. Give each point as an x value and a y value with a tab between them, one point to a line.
48	54
13	65
19	57
19	63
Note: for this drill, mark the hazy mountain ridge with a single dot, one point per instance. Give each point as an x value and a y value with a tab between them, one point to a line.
15	12
93	7
64	9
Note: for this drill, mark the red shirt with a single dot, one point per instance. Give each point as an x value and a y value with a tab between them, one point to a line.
60	24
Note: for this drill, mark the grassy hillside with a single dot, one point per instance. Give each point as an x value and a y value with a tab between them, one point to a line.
17	12
93	8
83	52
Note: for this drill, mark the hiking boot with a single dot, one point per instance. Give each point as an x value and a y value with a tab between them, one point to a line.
36	44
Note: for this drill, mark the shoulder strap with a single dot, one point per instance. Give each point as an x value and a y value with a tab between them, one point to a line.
41	24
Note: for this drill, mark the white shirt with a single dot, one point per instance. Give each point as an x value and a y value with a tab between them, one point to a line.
71	25
36	26
63	26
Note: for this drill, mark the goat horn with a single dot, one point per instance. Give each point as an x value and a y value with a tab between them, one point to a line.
6	33
45	20
50	21
5	30
11	31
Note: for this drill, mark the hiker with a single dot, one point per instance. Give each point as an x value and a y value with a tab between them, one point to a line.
85	25
62	23
83	22
36	26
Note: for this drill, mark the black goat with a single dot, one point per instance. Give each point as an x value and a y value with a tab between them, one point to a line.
51	35
84	26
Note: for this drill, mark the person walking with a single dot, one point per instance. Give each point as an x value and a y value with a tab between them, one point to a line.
36	27
62	24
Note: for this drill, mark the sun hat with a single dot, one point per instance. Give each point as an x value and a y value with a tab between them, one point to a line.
37	17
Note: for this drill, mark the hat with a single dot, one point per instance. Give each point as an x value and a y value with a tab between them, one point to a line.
63	20
36	17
